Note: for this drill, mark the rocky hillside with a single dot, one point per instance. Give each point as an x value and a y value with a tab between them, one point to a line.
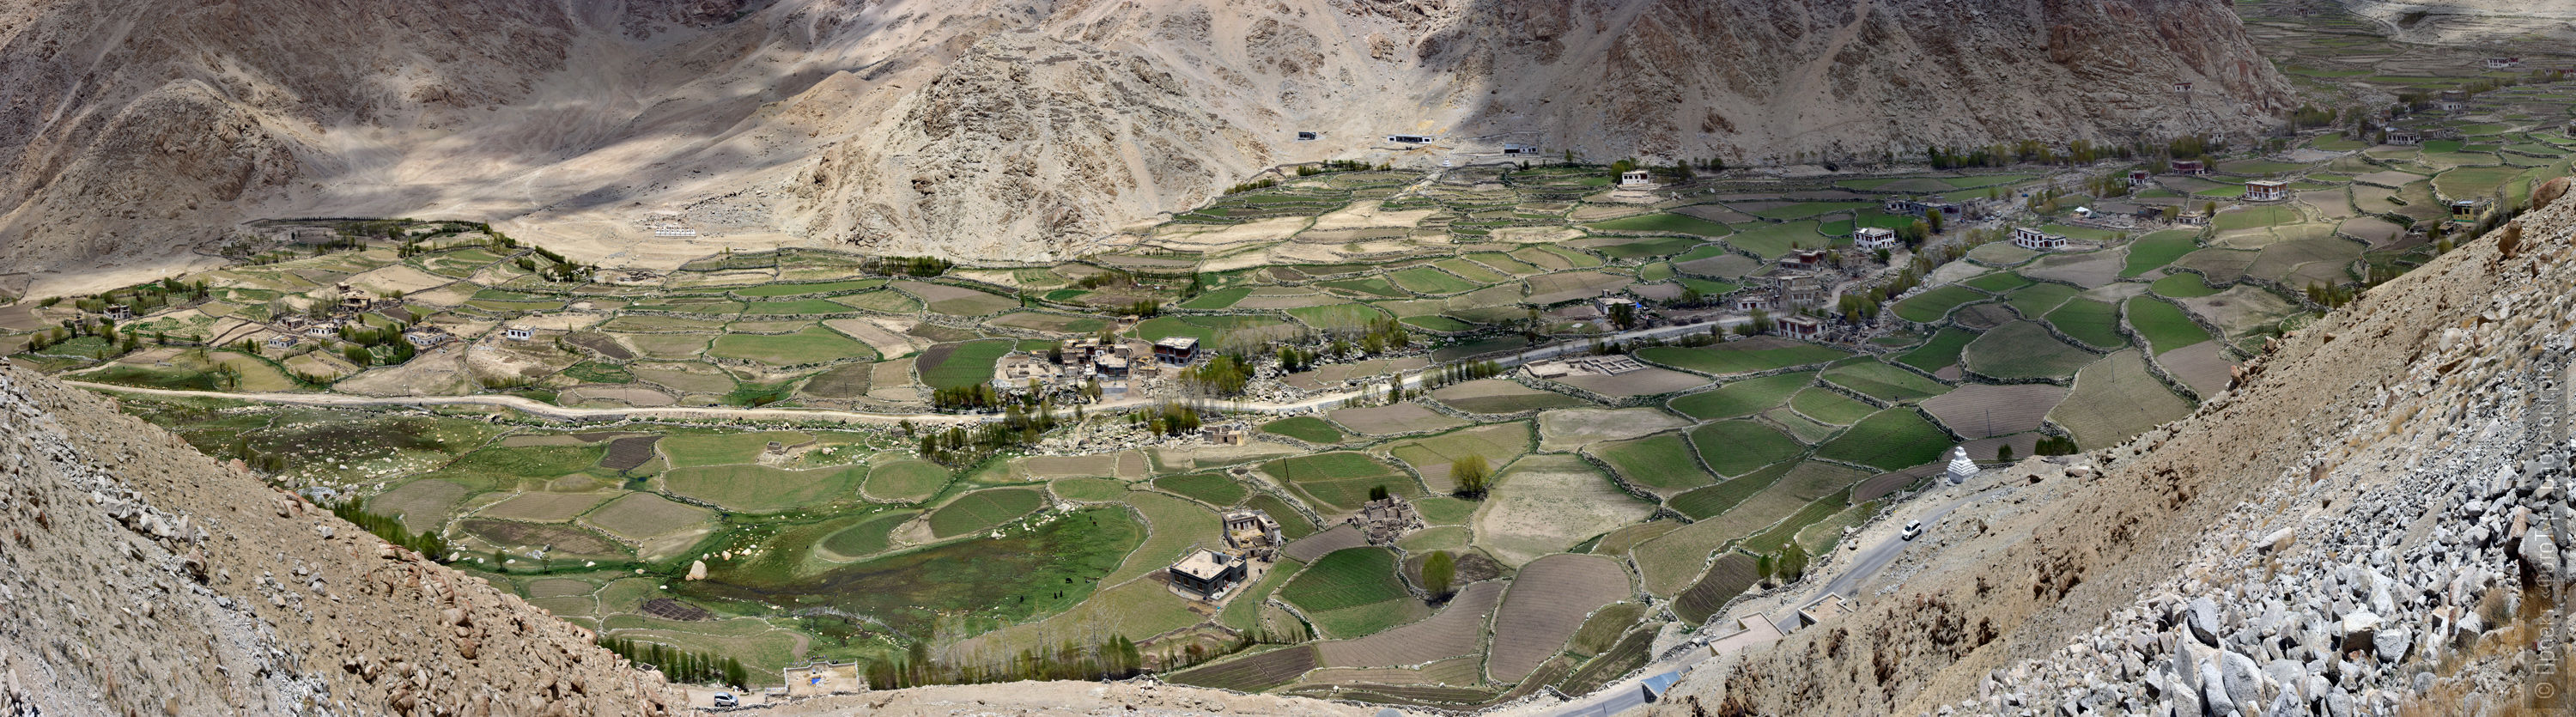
145	578
993	129
2510	26
2376	517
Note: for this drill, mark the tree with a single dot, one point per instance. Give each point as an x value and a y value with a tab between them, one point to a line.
1623	315
358	355
2003	452
1438	571
1793	562
1377	492
1763	567
1472	474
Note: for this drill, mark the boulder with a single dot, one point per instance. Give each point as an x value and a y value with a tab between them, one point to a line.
2242	678
2359	629
697	570
2202	618
2391	644
2541	553
2547	192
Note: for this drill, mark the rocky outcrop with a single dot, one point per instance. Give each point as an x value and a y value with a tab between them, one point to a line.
994	129
144	578
2373	518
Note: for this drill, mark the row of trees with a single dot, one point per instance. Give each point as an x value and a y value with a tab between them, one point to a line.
1110	659
388	527
686	666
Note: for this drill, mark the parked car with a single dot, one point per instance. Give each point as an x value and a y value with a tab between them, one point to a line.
726	699
1913	529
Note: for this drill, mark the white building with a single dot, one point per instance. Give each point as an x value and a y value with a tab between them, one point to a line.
2036	240
518	333
1961	469
1636	179
1874	238
2267	190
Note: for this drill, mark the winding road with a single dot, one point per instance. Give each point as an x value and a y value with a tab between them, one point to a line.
1866	562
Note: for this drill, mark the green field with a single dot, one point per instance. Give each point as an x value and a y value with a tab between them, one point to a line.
1738	447
1737	357
983	509
1333	317
762	489
1213	488
2023	349
1350	577
1426	280
1827	406
1942	351
2039	299
1305	428
1742	398
2095	323
1929	306
1998	282
906	480
1884	382
2156	250
1893	439
810	345
1660	462
963	364
1664	222
866	537
1704	503
1341	479
2163	326
1774	241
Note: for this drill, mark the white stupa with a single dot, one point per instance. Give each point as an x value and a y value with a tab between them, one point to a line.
1961	469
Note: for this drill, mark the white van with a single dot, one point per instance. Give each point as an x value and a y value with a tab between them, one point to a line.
1913	529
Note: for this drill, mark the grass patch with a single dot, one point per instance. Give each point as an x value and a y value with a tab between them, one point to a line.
1661	462
2163	326
983	509
1340	479
1664	222
1211	488
1827	406
1305	428
1742	398
1930	306
2184	285
1940	352
2096	323
1893	439
1740	447
1350	577
813	344
1884	382
963	364
2156	250
2023	349
1746	356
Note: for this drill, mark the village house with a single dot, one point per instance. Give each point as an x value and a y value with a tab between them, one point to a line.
2140	177
2192	217
518	332
2190	167
118	312
283	341
1177	350
1801	327
1304	136
1410	139
1252	531
320	329
1874	238
2267	190
2406	137
2503	63
1804	260
2036	240
1224	435
1207	573
2452	100
2466	211
1109	366
1636	179
353	298
1520	149
2182	87
426	336
1386	519
1798	290
1755	301
1017	370
1607	300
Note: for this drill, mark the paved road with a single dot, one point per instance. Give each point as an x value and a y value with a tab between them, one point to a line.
560	413
1868	561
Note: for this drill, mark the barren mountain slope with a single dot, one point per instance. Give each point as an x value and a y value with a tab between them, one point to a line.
2534	24
143	577
992	129
2363	516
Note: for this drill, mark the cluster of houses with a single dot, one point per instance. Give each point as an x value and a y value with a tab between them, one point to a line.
345	310
1085	359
